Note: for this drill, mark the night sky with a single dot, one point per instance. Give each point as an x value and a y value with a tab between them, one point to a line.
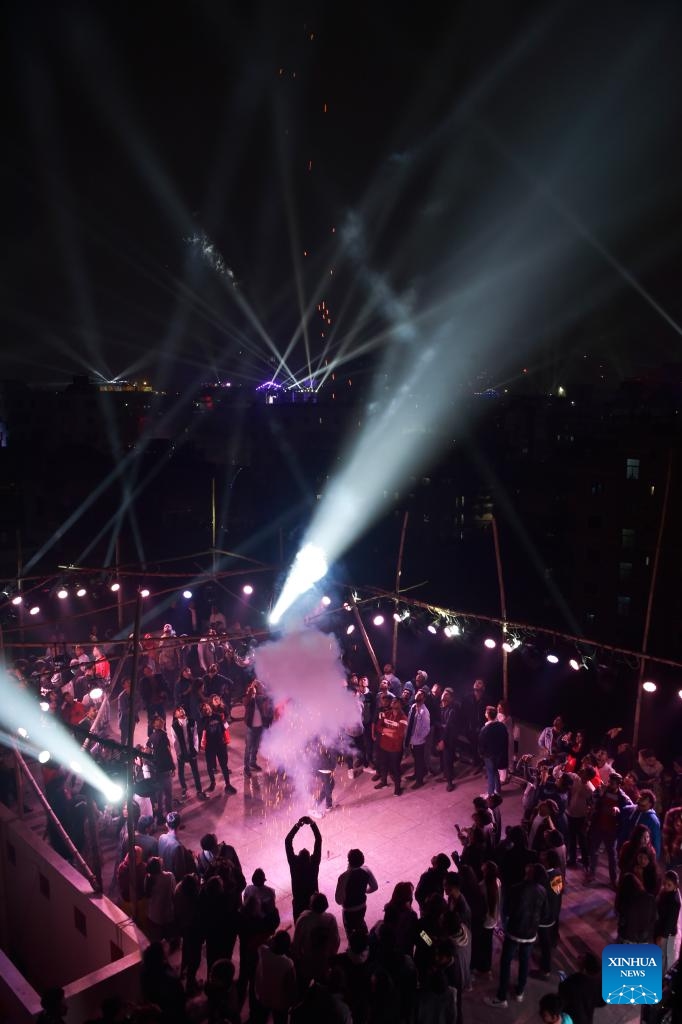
182	180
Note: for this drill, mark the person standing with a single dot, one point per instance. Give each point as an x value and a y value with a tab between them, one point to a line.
304	866
124	710
162	768
352	888
446	737
525	906
214	743
418	729
257	716
391	729
184	731
473	720
493	746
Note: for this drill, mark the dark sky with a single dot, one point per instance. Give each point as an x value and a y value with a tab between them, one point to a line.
331	152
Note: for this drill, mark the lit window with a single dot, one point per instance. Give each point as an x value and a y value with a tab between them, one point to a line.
632	469
627	538
624	570
623	604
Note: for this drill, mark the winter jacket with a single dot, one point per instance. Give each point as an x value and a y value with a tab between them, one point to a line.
526	905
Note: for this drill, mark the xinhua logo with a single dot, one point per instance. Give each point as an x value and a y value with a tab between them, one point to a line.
632	974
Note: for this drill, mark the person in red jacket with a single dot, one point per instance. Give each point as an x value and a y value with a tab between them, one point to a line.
391	729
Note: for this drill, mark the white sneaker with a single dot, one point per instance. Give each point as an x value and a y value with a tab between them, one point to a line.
501	1004
519	997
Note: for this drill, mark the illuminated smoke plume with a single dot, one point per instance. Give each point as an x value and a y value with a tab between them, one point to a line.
307	681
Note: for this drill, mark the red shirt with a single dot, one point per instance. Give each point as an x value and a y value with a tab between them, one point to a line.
391	731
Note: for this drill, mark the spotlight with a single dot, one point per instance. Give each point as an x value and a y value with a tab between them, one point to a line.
432	629
22	732
144	592
97	693
310	565
347	607
115	587
649	687
396	616
378	620
552	659
511	645
81	592
187	594
326	601
75	767
34	610
575	665
62	593
113	793
489	643
679	694
16	600
44	756
350	629
247	589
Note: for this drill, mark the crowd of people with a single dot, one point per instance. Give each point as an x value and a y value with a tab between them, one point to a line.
438	934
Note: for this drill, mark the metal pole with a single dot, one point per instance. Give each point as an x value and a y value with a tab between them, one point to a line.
503	609
130	740
368	642
398	574
58	825
119	592
650	602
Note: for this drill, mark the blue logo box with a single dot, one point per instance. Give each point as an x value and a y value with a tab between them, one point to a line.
632	973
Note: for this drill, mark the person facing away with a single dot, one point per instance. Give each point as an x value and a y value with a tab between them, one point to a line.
352	888
304	866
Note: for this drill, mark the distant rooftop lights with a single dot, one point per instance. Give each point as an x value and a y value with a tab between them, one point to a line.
552	659
144	592
81	592
326	601
62	593
247	589
378	620
187	594
34	610
489	643
649	686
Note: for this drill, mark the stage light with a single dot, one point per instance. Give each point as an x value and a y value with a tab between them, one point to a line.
489	643
326	601
187	594
44	756
350	629
511	645
396	617
378	620
17	600
22	732
649	687
34	610
432	629
247	589
552	659
575	665
347	607
144	592
44	706
62	593
115	587
310	565
81	592
97	693
679	694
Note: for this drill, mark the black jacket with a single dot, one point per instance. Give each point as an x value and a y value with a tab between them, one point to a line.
493	742
526	906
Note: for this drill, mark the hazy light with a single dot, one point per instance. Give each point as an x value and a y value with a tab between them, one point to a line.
247	589
76	767
144	593
81	592
310	565
16	600
575	665
187	594
34	610
62	593
22	732
679	694
552	659
97	693
432	629
378	620
115	587
44	706
649	687
489	643
326	601
350	629
44	756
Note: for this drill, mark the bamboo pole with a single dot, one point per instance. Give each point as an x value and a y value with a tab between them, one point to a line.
398	574
130	740
503	609
650	602
368	642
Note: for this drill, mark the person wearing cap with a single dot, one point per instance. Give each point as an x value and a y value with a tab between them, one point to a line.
446	737
175	856
473	720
